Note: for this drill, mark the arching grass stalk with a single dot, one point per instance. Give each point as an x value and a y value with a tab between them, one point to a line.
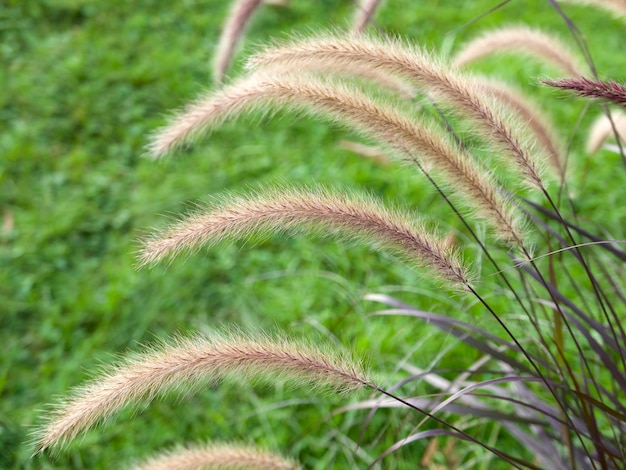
188	364
387	123
332	52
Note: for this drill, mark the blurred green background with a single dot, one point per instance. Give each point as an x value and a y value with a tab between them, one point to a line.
83	84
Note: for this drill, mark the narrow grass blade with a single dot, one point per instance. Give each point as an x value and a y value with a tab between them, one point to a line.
319	211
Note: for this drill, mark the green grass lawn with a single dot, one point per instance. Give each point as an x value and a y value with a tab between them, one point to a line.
83	85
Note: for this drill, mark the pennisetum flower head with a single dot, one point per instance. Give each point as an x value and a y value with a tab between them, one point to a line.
240	13
521	39
324	212
373	118
217	456
188	363
443	83
605	127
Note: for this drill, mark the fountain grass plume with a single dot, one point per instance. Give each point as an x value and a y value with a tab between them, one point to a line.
602	129
371	152
372	118
187	364
616	7
234	26
319	211
219	457
520	39
330	52
543	130
269	91
365	10
607	91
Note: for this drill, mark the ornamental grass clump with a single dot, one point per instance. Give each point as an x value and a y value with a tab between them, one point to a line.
548	351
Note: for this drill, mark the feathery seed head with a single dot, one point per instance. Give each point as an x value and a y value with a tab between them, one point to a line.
217	456
301	93
608	91
186	364
538	122
330	53
602	129
364	12
240	13
319	211
521	39
617	7
388	124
